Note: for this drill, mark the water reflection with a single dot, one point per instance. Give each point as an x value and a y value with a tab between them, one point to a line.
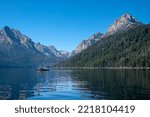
117	84
74	84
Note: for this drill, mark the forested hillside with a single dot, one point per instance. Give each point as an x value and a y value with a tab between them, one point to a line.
129	48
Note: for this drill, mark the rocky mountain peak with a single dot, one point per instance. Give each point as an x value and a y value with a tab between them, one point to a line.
8	35
65	53
6	28
128	18
125	22
52	47
88	42
96	36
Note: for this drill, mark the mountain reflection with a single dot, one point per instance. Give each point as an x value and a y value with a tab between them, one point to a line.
116	84
80	84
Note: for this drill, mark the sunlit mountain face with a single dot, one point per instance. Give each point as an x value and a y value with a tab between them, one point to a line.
16	49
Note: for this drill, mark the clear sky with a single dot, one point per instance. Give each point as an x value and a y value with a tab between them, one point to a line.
65	23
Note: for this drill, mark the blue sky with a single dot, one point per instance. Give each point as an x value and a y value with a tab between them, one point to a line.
65	23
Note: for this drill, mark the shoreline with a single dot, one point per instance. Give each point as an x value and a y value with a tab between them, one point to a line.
136	68
142	68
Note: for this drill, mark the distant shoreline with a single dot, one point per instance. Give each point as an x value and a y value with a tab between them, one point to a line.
138	68
103	67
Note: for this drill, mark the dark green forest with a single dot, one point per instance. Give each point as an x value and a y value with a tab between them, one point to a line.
129	48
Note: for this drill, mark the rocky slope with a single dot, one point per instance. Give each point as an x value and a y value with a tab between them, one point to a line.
125	49
86	43
16	49
125	22
126	44
52	51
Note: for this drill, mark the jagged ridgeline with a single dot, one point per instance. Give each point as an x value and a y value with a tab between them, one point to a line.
18	50
125	22
126	48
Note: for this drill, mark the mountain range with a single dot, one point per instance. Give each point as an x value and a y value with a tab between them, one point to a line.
121	45
125	44
16	49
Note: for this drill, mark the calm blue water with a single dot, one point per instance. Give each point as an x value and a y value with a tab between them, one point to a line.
77	84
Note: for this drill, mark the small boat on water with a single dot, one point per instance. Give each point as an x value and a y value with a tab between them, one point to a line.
42	69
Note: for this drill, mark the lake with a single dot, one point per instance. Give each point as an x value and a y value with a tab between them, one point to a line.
74	84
